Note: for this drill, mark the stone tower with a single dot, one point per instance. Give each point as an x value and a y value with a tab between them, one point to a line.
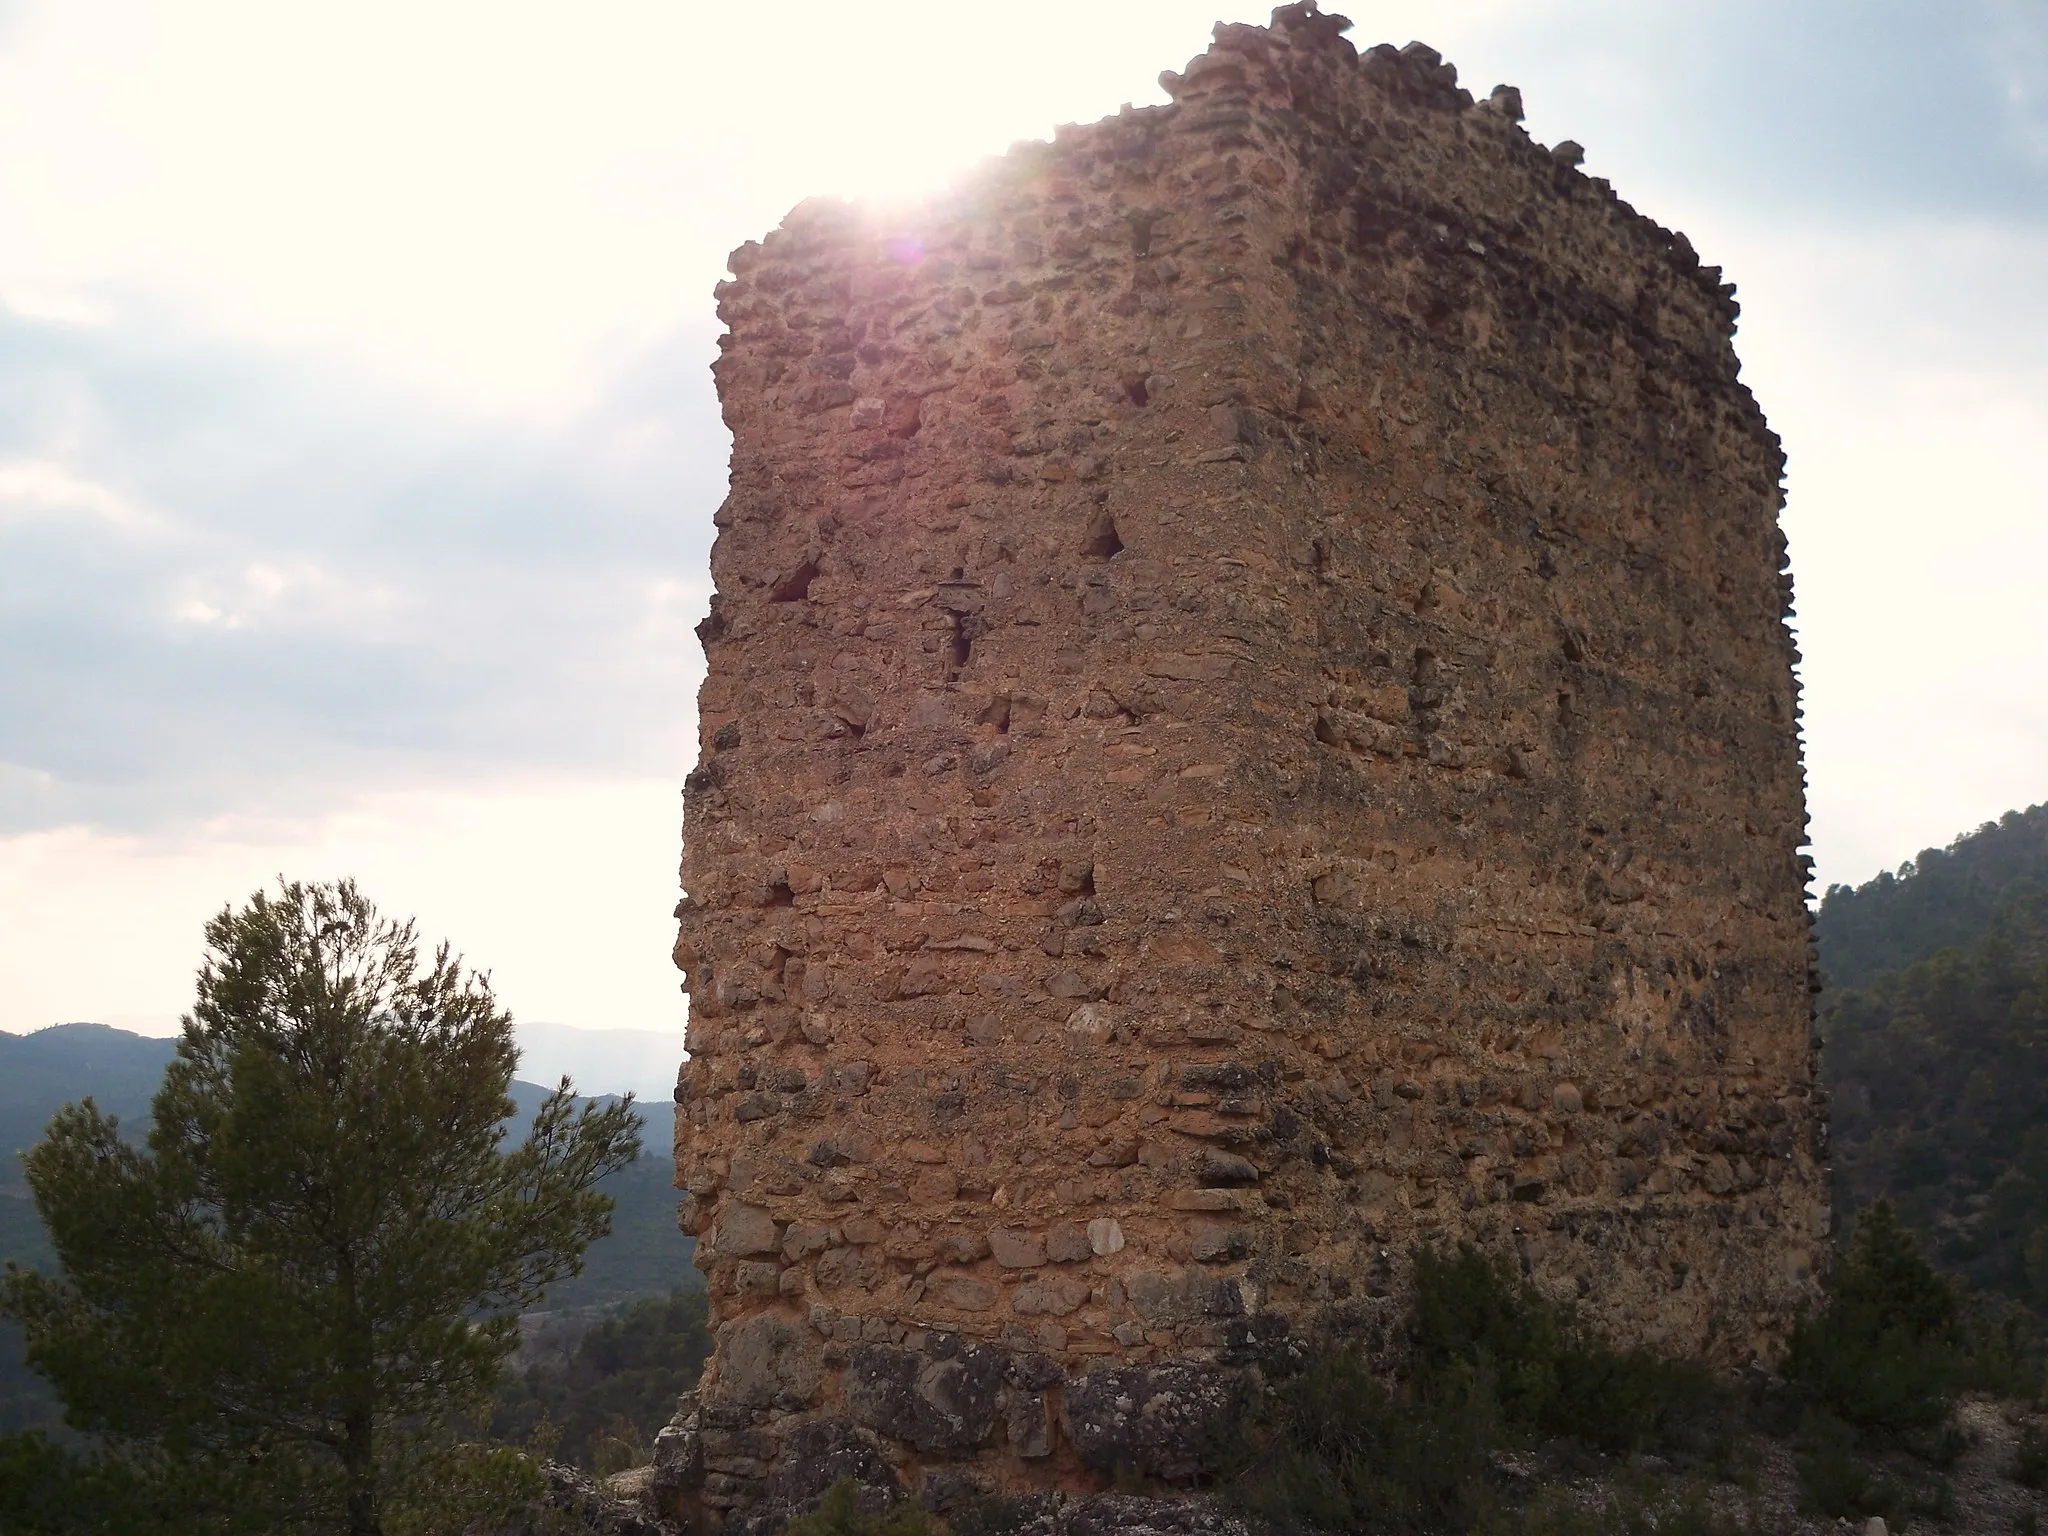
1249	727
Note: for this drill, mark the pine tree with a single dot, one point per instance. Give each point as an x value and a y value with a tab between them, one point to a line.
270	1313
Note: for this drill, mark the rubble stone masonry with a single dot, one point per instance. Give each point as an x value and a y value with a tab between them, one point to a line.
1249	727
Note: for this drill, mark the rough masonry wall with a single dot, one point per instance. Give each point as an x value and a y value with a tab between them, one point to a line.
1249	726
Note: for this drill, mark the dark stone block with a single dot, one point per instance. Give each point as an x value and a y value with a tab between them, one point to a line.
1158	1421
947	1404
817	1455
1035	1372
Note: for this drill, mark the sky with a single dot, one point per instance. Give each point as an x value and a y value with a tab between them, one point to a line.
358	451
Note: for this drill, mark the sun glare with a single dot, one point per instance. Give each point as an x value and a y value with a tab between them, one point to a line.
479	197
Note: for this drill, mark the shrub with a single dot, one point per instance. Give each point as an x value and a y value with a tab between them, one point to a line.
1472	1314
1888	1351
1877	1369
2029	1465
1335	1449
618	1446
1554	1377
2002	1347
1492	1364
1833	1479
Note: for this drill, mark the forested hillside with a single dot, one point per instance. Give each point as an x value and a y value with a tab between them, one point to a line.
1945	898
611	1390
1936	1023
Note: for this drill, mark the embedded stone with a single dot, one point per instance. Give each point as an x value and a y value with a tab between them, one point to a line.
1014	1249
1029	1426
817	1453
1053	1296
1159	1298
753	1278
963	1293
963	1247
1035	1372
801	1239
1215	1241
1065	1243
1719	1176
1220	1169
745	1230
1206	1200
1070	983
862	1229
768	1358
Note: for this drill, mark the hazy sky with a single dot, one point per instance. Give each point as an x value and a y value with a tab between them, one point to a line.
358	454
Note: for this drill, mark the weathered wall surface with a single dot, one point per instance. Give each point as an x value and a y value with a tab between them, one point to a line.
1249	726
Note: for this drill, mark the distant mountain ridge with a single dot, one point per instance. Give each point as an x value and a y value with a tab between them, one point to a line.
638	1061
40	1071
121	1071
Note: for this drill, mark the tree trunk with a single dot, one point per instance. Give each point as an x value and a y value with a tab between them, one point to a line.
359	1463
359	1404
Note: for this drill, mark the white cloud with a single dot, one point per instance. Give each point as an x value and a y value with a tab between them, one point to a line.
296	593
57	306
43	488
562	891
1898	364
357	592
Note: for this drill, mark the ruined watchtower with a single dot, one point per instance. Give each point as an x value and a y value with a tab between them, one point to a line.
1249	727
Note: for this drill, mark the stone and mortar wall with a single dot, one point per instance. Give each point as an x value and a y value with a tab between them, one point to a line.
1249	726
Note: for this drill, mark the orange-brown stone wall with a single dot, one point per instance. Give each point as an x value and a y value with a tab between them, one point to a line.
1249	726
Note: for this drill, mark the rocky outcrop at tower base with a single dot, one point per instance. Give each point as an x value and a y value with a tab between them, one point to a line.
1249	726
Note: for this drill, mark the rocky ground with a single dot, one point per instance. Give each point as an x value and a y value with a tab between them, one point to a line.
1764	1495
1761	1497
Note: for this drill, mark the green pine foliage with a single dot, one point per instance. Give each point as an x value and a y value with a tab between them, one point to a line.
1939	1074
645	1253
2029	1465
605	1404
1935	1019
39	1072
269	1314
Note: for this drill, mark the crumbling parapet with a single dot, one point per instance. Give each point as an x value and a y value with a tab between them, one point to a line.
1249	726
